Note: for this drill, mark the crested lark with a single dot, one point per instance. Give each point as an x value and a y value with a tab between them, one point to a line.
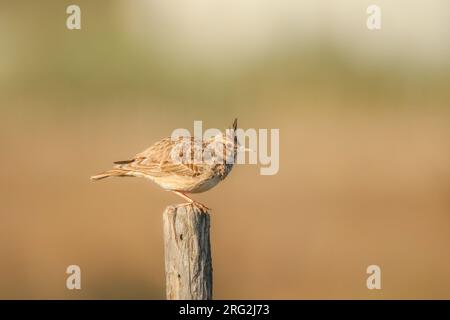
171	163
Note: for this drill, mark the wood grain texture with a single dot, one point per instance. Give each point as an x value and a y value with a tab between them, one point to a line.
187	253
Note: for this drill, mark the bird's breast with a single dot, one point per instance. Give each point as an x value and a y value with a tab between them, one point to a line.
206	184
186	184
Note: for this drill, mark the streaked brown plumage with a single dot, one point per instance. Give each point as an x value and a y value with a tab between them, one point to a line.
157	164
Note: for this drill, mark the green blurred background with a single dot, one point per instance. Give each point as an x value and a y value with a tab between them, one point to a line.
364	153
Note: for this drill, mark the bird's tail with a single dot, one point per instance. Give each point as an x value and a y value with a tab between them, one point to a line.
110	173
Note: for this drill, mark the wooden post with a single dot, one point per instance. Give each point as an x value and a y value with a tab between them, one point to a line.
187	253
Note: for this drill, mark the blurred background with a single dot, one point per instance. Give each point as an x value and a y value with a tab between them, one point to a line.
364	153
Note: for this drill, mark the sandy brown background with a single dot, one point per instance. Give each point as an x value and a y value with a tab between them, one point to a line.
364	153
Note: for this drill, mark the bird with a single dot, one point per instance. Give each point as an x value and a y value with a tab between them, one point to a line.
170	163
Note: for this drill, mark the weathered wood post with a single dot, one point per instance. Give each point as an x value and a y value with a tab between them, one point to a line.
187	253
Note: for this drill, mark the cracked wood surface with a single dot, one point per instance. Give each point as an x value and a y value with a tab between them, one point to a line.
187	253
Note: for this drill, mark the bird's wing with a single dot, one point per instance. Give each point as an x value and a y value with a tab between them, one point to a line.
157	161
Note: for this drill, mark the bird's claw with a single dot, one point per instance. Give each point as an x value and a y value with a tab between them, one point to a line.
195	204
202	207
